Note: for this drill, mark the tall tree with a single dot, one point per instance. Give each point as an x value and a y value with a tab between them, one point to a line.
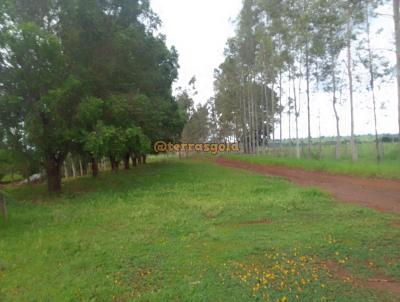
34	74
377	67
396	19
331	37
55	55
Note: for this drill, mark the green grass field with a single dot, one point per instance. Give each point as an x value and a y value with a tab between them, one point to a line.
367	165
191	231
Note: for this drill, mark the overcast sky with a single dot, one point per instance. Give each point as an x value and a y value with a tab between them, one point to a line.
199	30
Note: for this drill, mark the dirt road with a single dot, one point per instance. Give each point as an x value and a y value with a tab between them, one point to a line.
379	194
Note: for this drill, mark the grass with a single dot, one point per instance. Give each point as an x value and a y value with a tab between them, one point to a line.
367	165
190	231
9	178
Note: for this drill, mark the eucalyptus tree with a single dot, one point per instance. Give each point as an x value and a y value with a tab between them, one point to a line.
295	64
232	98
332	35
246	43
273	51
354	13
377	66
229	103
197	129
298	29
216	135
305	28
296	106
396	19
265	55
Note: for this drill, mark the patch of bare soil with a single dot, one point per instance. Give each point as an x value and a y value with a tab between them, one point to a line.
379	194
378	282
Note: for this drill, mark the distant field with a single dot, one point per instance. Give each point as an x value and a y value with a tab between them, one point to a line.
367	166
192	231
366	150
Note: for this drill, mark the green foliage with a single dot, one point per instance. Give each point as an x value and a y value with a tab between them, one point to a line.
197	129
76	75
40	98
6	163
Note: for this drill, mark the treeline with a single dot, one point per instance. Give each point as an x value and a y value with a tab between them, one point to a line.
83	79
284	50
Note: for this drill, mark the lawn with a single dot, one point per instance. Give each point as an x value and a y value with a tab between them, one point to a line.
9	178
192	231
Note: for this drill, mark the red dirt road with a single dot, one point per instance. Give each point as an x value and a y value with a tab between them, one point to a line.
379	194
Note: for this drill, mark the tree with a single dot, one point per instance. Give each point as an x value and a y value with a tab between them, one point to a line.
232	98
377	68
332	37
396	19
34	76
89	115
197	129
349	65
79	77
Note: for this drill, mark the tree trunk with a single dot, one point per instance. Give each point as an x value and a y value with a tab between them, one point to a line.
280	113
134	160
308	101
95	167
73	167
126	162
144	159
263	118
255	111
337	118
85	168
267	130
372	87
297	113
242	102
251	119
3	207
320	137
354	153
114	164
290	110
80	167
66	172
396	18
53	170
273	113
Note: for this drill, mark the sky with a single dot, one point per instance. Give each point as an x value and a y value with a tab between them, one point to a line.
199	30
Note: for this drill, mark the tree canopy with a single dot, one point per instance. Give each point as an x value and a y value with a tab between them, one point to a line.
85	77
